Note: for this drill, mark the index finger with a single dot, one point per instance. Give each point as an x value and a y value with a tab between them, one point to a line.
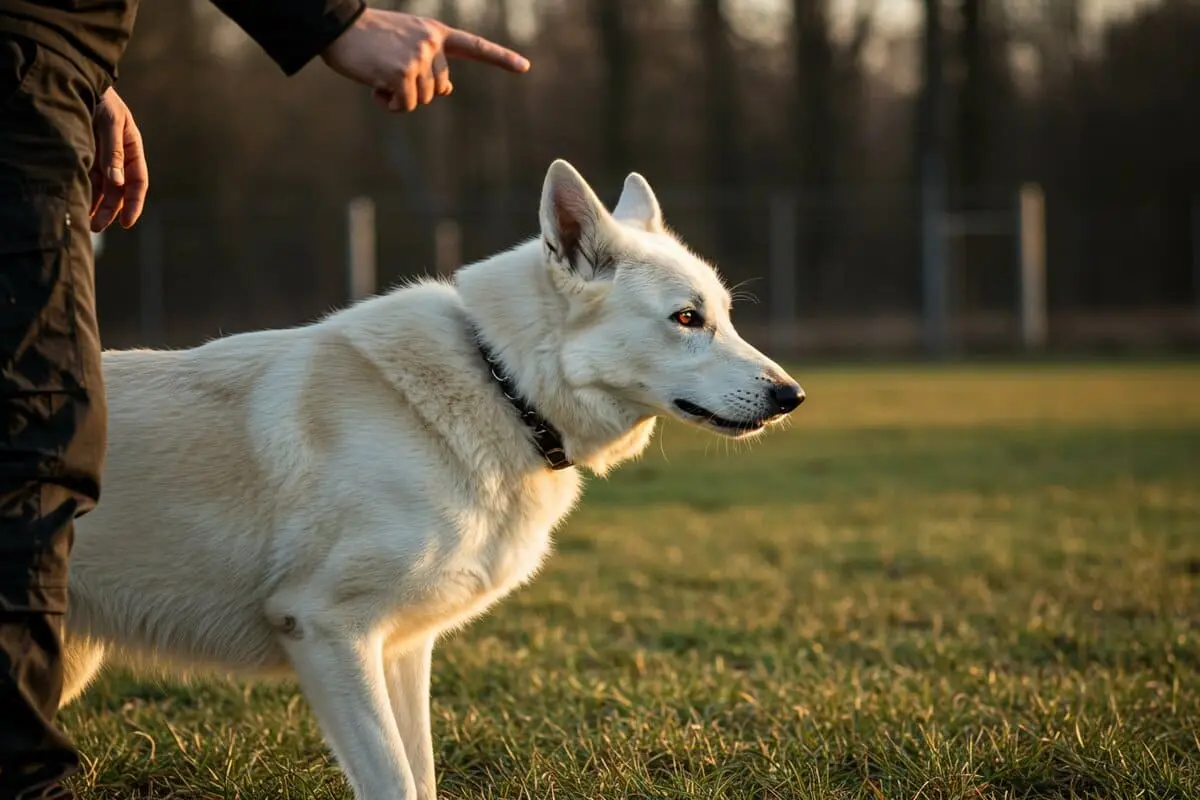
460	44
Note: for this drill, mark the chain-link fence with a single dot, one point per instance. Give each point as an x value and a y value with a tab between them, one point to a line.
839	273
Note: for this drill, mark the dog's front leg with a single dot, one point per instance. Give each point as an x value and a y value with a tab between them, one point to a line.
408	687
344	682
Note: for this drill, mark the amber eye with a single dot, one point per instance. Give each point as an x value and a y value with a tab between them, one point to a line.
688	318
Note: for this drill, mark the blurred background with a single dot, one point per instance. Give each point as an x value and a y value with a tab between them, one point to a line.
886	176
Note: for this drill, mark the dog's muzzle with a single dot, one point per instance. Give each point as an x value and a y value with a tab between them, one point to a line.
784	398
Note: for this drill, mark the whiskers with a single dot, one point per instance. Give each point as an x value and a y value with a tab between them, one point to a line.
738	295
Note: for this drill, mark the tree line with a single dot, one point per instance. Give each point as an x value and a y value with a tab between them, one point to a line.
724	106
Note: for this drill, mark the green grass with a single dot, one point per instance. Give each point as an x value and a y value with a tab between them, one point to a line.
937	583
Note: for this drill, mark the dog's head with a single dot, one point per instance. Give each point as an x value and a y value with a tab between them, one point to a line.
648	321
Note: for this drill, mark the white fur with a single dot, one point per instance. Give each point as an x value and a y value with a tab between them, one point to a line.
325	501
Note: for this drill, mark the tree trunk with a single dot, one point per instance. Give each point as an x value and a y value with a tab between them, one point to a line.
722	151
816	133
931	178
973	97
616	53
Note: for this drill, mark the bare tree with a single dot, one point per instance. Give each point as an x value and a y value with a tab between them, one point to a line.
722	148
973	97
931	176
611	20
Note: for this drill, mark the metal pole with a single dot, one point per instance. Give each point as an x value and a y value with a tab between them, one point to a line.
933	256
783	267
360	254
150	278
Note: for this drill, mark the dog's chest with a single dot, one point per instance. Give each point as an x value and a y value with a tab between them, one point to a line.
508	545
498	547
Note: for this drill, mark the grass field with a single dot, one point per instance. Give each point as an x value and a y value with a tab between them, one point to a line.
937	583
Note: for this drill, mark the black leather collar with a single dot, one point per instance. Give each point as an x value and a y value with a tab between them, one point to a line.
546	438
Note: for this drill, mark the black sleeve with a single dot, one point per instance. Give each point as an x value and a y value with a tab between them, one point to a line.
292	32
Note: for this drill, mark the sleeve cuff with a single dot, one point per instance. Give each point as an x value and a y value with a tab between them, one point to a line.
339	16
293	32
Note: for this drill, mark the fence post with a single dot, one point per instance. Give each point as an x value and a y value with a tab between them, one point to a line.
782	310
151	300
360	254
1032	227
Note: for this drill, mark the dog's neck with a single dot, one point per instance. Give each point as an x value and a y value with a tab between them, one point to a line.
521	317
546	438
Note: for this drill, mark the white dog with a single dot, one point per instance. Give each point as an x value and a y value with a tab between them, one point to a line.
325	501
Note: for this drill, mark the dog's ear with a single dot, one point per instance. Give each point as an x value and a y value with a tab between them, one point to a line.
638	205
573	221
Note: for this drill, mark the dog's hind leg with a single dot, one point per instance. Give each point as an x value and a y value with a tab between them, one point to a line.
408	688
343	680
82	658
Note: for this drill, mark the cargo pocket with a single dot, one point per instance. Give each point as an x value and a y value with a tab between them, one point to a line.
41	389
39	350
19	60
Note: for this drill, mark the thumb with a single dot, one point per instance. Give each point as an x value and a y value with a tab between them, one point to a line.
110	151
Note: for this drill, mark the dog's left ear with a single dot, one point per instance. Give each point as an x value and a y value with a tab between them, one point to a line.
638	205
573	222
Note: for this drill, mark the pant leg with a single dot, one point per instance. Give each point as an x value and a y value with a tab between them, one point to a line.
52	412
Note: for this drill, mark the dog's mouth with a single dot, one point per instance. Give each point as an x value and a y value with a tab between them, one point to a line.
730	426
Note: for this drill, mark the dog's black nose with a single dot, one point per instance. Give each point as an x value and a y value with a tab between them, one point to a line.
786	397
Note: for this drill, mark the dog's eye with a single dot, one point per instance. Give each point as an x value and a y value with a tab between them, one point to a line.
688	318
